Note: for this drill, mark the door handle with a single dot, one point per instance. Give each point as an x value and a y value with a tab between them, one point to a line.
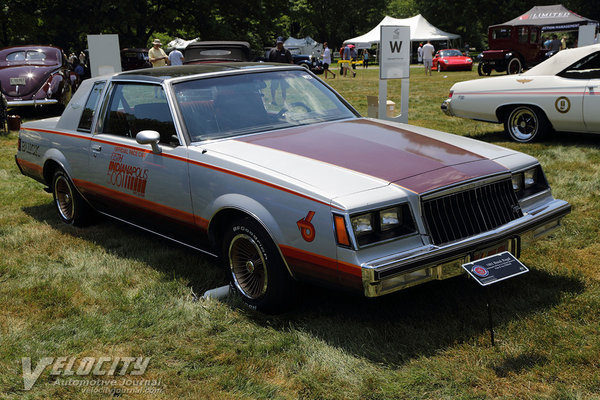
96	147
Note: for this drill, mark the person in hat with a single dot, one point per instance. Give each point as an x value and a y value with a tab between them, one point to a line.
157	56
279	54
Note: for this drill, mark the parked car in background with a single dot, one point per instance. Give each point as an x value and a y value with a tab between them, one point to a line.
270	168
134	58
562	94
308	62
451	60
221	51
518	44
35	76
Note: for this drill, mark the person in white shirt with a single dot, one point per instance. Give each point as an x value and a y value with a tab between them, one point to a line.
175	57
428	51
327	60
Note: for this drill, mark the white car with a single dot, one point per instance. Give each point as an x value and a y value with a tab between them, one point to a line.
562	93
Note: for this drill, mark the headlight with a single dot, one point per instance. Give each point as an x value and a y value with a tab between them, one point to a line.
383	224
529	182
469	60
362	224
445	61
390	218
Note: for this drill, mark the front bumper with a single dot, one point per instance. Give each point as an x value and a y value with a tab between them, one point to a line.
399	271
446	107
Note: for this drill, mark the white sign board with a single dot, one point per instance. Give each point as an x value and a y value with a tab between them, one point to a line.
394	49
587	34
105	56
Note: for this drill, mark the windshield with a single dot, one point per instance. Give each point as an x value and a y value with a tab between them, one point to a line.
227	106
450	53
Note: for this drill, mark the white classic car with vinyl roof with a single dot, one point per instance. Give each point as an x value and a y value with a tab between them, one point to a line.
562	93
269	168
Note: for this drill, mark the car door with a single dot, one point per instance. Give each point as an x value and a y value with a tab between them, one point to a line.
585	74
591	106
129	181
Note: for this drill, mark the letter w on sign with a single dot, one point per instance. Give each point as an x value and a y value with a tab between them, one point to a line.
395	47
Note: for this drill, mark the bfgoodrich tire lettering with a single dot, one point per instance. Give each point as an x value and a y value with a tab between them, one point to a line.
255	267
71	207
526	124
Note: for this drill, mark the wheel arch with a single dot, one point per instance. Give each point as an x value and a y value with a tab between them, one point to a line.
233	207
505	109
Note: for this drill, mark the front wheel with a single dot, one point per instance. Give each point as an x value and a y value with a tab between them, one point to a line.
255	268
484	69
526	124
72	208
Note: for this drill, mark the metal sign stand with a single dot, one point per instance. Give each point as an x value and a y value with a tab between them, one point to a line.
394	50
493	269
404	93
489	310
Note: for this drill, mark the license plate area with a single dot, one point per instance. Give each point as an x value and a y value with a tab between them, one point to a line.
17	81
510	245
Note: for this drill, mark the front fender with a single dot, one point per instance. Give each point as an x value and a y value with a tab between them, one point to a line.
248	206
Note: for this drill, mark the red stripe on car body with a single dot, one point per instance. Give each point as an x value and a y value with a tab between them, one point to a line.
198	163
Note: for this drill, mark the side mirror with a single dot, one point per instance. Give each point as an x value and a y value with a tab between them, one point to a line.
149	137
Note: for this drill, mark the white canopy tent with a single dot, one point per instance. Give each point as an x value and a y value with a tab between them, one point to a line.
420	31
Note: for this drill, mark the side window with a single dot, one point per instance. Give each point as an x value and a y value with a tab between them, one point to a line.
533	38
85	123
137	107
586	68
523	33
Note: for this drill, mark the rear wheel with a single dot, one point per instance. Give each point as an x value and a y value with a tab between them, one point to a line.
513	66
526	124
255	268
72	208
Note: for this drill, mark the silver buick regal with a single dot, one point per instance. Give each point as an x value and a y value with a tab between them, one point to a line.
269	168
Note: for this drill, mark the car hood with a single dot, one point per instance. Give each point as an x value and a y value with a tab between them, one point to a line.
350	156
34	75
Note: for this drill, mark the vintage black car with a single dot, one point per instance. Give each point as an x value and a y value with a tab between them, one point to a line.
134	58
217	51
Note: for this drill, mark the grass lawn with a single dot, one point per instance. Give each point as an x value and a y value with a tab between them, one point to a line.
112	291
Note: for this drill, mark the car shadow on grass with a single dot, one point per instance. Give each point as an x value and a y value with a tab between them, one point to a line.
422	320
391	330
201	271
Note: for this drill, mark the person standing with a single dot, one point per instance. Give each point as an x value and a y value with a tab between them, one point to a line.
420	53
365	58
555	44
175	57
279	54
348	57
428	51
327	60
157	56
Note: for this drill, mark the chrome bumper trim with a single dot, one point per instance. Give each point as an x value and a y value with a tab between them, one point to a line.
446	107
25	103
432	262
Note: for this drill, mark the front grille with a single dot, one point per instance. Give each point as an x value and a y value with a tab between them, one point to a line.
466	213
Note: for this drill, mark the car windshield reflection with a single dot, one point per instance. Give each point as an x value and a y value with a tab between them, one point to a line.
228	106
